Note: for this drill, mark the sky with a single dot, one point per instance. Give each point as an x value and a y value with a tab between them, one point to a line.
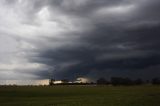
66	39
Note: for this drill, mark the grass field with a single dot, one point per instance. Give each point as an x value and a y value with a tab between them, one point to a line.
80	96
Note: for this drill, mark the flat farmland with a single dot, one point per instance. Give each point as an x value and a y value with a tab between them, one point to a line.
80	96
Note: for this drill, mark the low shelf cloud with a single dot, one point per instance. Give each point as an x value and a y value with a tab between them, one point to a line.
79	38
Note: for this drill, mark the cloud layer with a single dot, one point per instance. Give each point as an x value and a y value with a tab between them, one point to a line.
86	38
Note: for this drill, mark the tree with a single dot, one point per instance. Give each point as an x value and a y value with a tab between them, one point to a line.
102	81
121	81
51	82
65	81
138	81
155	81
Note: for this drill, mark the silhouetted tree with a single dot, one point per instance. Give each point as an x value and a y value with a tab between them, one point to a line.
155	81
138	81
121	81
102	81
65	81
147	81
51	82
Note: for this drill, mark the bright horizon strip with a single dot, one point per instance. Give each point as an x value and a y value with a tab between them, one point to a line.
24	82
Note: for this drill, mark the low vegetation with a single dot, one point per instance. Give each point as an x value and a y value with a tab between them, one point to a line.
80	95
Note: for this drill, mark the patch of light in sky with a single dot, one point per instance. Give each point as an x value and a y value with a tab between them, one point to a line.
24	82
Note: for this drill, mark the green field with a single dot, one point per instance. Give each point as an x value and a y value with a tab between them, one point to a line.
80	96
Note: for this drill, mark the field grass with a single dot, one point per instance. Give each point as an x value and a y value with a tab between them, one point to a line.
80	96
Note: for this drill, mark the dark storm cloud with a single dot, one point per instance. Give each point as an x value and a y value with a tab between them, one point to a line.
123	47
89	38
121	55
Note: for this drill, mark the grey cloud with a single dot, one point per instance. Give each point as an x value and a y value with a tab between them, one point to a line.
87	38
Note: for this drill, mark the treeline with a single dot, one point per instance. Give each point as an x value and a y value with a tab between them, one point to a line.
126	81
113	81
